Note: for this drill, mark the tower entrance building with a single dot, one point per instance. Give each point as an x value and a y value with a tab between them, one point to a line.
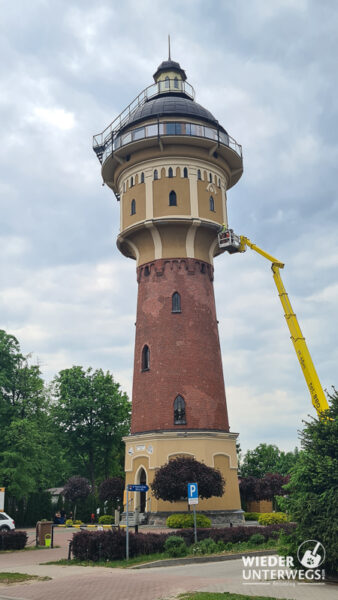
170	164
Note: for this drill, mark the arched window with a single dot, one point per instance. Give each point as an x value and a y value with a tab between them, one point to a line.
210	178
170	172
179	411
176	82
142	177
156	174
219	183
185	172
199	176
131	181
167	82
145	358
133	207
176	303
212	204
172	198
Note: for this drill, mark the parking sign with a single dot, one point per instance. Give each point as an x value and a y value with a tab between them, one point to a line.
192	493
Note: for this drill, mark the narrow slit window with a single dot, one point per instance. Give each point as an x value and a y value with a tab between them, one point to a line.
212	203
133	207
156	174
170	172
176	82
210	178
172	198
179	411
142	177
185	172
176	303
167	81
199	176
132	182
145	358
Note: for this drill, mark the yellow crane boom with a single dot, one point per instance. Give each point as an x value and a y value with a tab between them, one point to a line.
234	243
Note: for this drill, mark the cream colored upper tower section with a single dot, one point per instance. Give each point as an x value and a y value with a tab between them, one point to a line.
170	164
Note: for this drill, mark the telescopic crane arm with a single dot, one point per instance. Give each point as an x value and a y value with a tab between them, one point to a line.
233	243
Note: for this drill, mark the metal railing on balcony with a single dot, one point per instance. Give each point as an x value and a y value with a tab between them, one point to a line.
161	87
167	128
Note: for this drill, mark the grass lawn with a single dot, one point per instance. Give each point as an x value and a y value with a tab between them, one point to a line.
137	560
224	596
9	578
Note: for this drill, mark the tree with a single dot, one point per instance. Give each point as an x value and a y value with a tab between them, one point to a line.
313	487
29	460
253	489
267	458
171	480
76	488
112	489
92	415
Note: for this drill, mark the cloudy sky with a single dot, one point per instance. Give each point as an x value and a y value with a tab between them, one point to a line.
268	72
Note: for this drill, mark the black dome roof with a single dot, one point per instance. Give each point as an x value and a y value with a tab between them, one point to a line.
171	106
170	65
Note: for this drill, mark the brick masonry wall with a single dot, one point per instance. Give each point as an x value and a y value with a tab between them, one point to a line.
185	356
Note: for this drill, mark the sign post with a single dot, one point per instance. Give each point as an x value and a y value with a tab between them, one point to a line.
2	499
193	499
132	488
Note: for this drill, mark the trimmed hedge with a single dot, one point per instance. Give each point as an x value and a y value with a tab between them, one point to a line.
106	520
271	518
111	545
12	540
251	516
182	521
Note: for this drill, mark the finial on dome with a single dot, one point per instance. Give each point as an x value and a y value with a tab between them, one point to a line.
169	54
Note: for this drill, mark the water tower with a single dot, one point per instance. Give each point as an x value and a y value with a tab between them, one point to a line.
170	163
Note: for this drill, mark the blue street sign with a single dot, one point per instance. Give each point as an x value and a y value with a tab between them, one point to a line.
138	488
192	491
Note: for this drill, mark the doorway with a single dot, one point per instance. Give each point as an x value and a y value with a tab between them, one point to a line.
142	480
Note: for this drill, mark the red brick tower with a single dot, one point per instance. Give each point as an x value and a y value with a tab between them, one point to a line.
170	163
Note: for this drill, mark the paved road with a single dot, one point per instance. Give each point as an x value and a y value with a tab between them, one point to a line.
86	583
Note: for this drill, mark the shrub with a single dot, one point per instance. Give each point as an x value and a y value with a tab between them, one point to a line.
256	539
69	522
175	546
12	540
251	516
77	522
180	521
106	520
207	546
111	545
271	518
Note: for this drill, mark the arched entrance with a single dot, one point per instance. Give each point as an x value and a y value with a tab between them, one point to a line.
142	479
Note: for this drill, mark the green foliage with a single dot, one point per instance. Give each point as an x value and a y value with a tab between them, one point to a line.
92	415
206	546
251	516
106	520
267	458
50	434
175	546
69	522
313	487
184	521
257	539
271	518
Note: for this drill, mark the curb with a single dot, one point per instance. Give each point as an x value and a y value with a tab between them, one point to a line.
173	562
